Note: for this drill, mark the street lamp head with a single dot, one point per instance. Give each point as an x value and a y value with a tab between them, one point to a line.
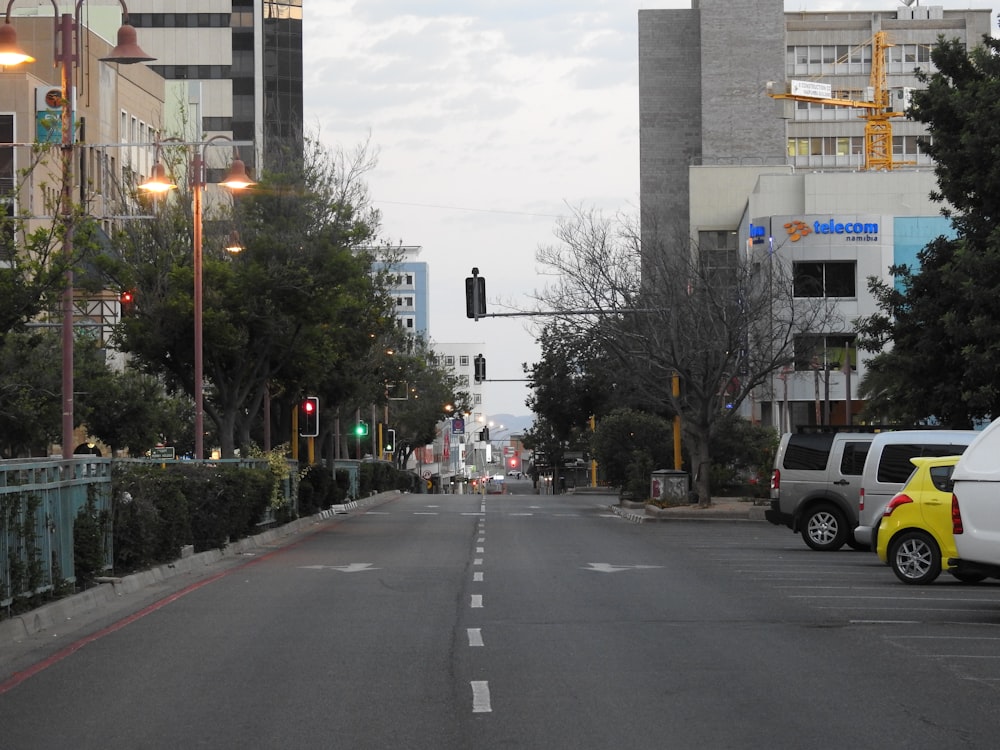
127	51
10	51
237	178
158	181
233	244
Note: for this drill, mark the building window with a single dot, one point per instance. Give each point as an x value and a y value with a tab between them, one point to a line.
449	361
824	279
463	380
463	361
477	398
825	351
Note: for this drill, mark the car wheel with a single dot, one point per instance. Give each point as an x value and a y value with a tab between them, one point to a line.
914	557
966	577
824	528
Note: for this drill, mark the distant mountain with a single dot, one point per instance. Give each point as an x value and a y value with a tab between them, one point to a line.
512	425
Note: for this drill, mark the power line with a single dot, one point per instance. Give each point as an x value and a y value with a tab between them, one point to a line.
464	208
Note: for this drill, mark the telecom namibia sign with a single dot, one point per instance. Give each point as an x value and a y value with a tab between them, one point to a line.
854	229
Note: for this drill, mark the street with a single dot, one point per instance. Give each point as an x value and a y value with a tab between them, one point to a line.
524	621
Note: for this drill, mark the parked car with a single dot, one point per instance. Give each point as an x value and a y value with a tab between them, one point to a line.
975	507
888	466
814	485
915	535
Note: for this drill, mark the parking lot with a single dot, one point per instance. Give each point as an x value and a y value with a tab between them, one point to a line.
947	621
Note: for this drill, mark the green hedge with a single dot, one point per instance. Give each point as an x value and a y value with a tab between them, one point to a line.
157	511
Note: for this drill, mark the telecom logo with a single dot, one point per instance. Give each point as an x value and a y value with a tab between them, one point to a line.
852	231
797	230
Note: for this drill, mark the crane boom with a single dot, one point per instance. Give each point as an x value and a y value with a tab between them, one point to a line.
877	117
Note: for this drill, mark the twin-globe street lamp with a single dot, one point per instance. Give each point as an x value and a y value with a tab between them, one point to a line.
235	179
66	45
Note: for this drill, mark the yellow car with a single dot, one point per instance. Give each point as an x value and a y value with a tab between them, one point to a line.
914	536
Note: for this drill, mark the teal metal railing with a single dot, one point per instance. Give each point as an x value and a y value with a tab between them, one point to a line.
39	502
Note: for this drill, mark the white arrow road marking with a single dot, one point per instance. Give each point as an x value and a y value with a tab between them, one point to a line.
608	568
352	568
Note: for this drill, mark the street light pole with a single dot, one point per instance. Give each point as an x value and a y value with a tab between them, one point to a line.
236	179
66	43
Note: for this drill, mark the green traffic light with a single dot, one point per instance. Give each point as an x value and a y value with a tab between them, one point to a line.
361	429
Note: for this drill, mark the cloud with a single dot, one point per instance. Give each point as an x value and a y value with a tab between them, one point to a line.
490	116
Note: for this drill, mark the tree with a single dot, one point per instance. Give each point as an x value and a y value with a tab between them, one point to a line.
629	445
706	315
418	387
571	383
954	295
288	316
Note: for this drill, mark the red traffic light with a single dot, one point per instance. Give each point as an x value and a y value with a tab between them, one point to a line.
309	417
127	297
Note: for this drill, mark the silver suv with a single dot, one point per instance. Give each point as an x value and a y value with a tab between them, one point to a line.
814	486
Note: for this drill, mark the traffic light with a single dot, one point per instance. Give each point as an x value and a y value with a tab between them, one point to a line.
479	368
361	429
475	295
390	441
127	300
309	417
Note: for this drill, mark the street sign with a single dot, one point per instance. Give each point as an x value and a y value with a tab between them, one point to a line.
162	452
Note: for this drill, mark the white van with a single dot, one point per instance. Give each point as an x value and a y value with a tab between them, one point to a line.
975	505
888	466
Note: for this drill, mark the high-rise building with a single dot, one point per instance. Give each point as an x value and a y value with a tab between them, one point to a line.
247	57
704	75
727	169
409	287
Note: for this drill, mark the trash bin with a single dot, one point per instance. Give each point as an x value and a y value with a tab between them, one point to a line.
669	486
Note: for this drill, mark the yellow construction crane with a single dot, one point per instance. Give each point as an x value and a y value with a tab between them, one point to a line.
877	115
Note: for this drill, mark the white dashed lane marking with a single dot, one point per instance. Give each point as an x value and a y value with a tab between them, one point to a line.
481	697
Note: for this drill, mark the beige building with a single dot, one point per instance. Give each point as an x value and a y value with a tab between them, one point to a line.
116	110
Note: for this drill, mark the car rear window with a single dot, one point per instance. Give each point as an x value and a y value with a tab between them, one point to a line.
941	477
894	466
853	460
810	452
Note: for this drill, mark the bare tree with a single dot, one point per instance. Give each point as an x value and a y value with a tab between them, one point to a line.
717	319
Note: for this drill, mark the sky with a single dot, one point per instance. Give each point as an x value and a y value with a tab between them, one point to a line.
490	120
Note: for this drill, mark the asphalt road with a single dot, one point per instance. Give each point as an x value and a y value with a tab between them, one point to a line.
523	621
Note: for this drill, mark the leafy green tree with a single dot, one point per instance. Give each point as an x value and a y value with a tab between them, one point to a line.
418	388
571	383
942	319
30	395
629	445
288	316
131	410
